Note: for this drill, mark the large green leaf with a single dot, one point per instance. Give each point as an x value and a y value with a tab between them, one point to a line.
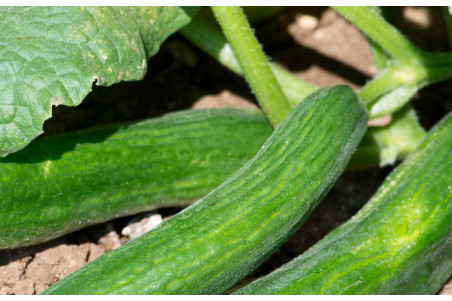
52	55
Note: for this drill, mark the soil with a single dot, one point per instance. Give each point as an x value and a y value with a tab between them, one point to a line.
314	43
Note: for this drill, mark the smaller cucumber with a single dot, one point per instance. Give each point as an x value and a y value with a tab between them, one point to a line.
66	182
398	243
217	241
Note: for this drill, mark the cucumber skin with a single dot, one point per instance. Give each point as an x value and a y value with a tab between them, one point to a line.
66	182
217	241
398	243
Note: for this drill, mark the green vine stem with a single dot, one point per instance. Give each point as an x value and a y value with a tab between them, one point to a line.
375	27
380	56
253	62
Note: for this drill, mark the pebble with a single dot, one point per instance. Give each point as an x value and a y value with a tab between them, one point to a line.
307	22
141	224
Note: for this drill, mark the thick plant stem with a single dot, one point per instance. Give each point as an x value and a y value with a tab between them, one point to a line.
380	56
253	63
376	28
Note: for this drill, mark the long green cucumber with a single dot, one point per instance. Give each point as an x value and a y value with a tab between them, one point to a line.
398	243
65	182
214	243
227	138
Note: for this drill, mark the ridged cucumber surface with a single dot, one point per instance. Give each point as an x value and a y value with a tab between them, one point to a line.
65	182
214	243
399	243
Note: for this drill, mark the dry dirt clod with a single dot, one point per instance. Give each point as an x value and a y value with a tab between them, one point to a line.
25	274
225	99
55	263
417	15
110	240
11	276
94	252
327	52
447	289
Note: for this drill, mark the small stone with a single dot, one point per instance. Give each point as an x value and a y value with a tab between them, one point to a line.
307	22
141	224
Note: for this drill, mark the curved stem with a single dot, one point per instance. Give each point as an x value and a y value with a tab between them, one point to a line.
383	33
380	56
377	87
253	63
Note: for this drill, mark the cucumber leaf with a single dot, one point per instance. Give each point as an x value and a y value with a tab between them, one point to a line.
53	55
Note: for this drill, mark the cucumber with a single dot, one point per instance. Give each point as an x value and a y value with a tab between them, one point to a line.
398	243
214	243
65	182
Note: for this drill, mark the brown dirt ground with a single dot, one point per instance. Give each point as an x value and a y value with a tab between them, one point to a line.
314	43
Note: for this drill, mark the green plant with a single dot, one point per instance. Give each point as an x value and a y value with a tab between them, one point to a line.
48	61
